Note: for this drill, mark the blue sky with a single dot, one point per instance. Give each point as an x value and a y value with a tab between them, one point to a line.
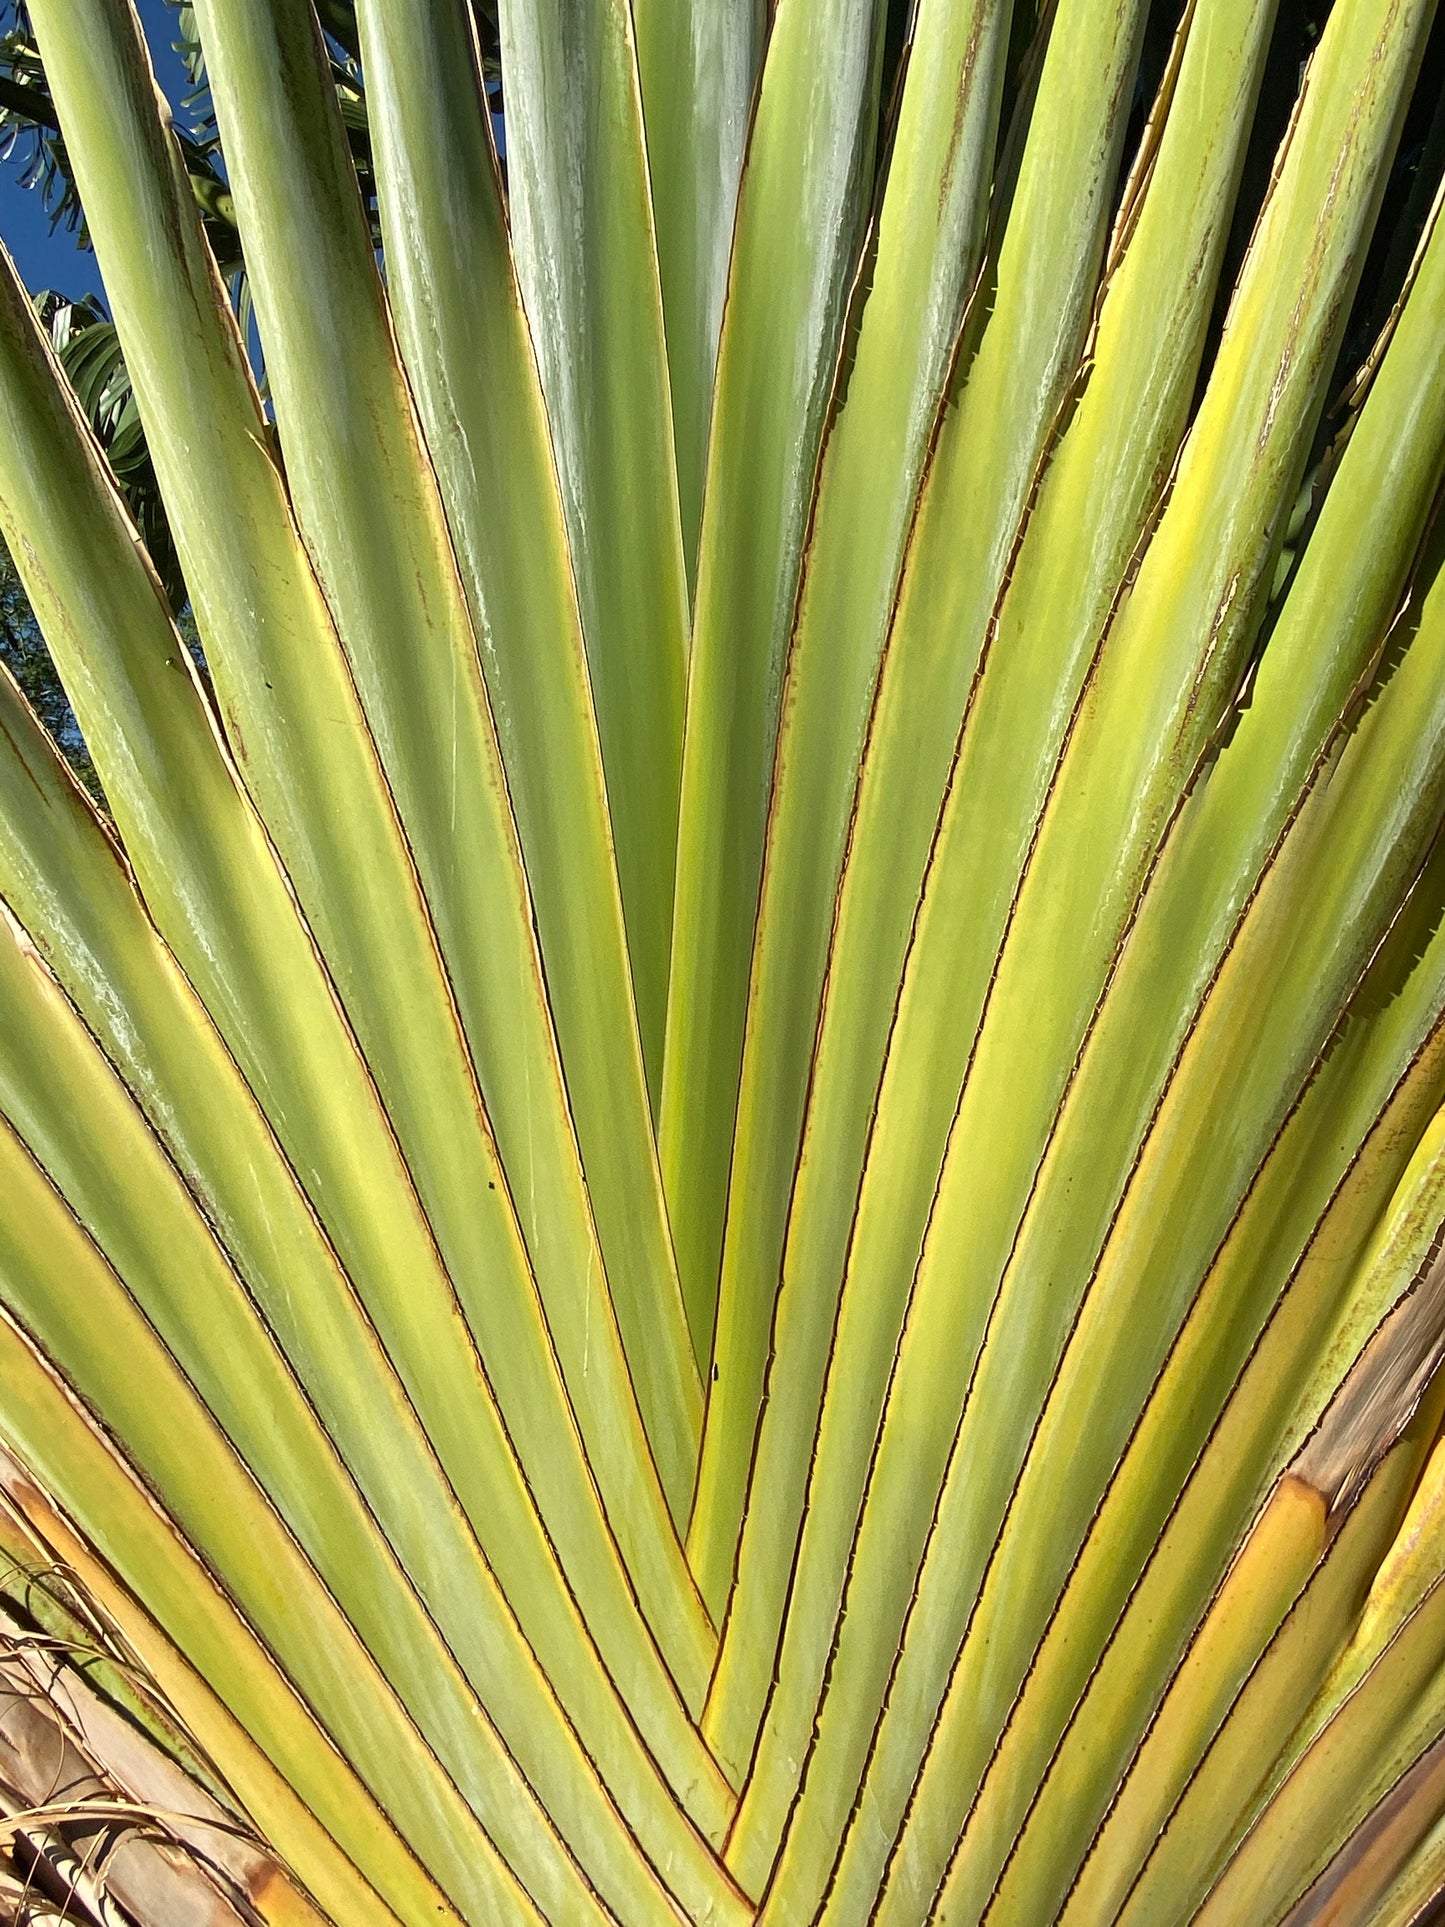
47	260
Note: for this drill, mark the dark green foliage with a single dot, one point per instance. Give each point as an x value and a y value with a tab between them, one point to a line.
23	651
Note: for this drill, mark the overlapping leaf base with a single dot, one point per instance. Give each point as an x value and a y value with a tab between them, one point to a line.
722	1184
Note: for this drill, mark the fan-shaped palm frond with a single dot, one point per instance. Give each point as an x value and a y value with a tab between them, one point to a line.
721	1194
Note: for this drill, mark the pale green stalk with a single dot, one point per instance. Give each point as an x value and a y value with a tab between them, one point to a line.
586	261
284	686
925	256
383	555
801	212
698	61
1042	279
1168	670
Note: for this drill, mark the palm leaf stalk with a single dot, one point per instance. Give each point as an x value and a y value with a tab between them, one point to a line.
722	1182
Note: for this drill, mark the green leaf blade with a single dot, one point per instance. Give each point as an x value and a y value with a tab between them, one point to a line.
800	216
698	64
384	559
927	249
586	261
